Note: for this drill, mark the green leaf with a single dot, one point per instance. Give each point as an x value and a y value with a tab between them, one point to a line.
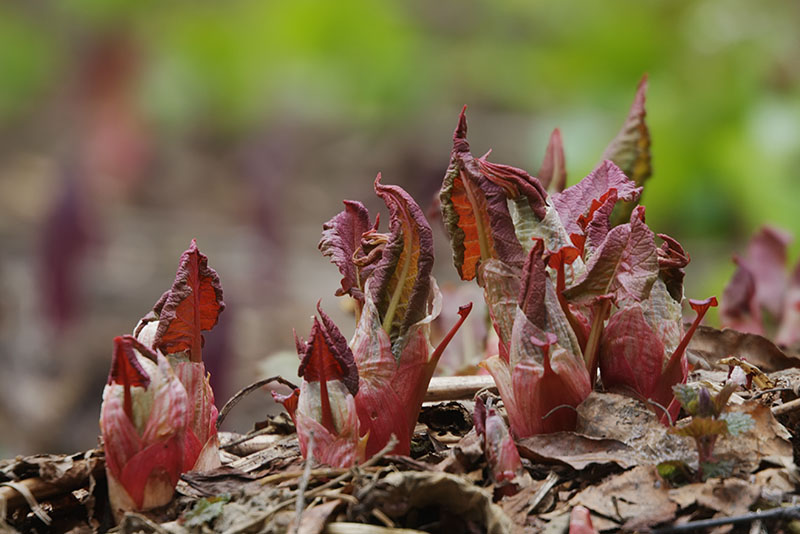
738	422
205	511
701	427
718	469
687	396
675	472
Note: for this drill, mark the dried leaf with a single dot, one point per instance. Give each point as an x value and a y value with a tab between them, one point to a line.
635	499
576	450
399	493
713	344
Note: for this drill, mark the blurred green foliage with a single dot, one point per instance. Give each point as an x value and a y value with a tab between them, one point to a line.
724	98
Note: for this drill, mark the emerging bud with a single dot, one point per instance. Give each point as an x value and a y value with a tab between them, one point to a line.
498	446
143	421
175	325
323	409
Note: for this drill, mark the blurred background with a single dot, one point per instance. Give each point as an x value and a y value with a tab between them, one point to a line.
128	127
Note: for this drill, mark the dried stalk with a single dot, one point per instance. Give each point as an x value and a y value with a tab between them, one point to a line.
443	388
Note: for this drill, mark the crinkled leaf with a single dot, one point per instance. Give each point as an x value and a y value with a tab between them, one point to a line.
671	261
341	242
625	265
718	469
474	200
738	422
553	172
401	281
126	371
125	368
596	223
702	426
630	149
577	200
191	306
326	356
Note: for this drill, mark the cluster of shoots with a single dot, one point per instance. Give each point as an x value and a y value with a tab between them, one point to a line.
578	288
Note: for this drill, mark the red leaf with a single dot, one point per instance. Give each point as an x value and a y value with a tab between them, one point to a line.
400	284
532	292
577	200
341	241
326	355
126	370
474	201
191	306
630	149
553	172
765	263
625	265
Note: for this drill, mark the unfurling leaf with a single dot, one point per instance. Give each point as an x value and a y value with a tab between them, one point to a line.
671	261
630	149
474	200
576	201
702	426
143	420
175	327
498	446
341	242
191	306
324	409
400	284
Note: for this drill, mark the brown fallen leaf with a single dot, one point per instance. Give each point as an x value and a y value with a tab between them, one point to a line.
576	450
731	496
519	506
767	440
626	420
712	344
635	499
221	480
314	519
